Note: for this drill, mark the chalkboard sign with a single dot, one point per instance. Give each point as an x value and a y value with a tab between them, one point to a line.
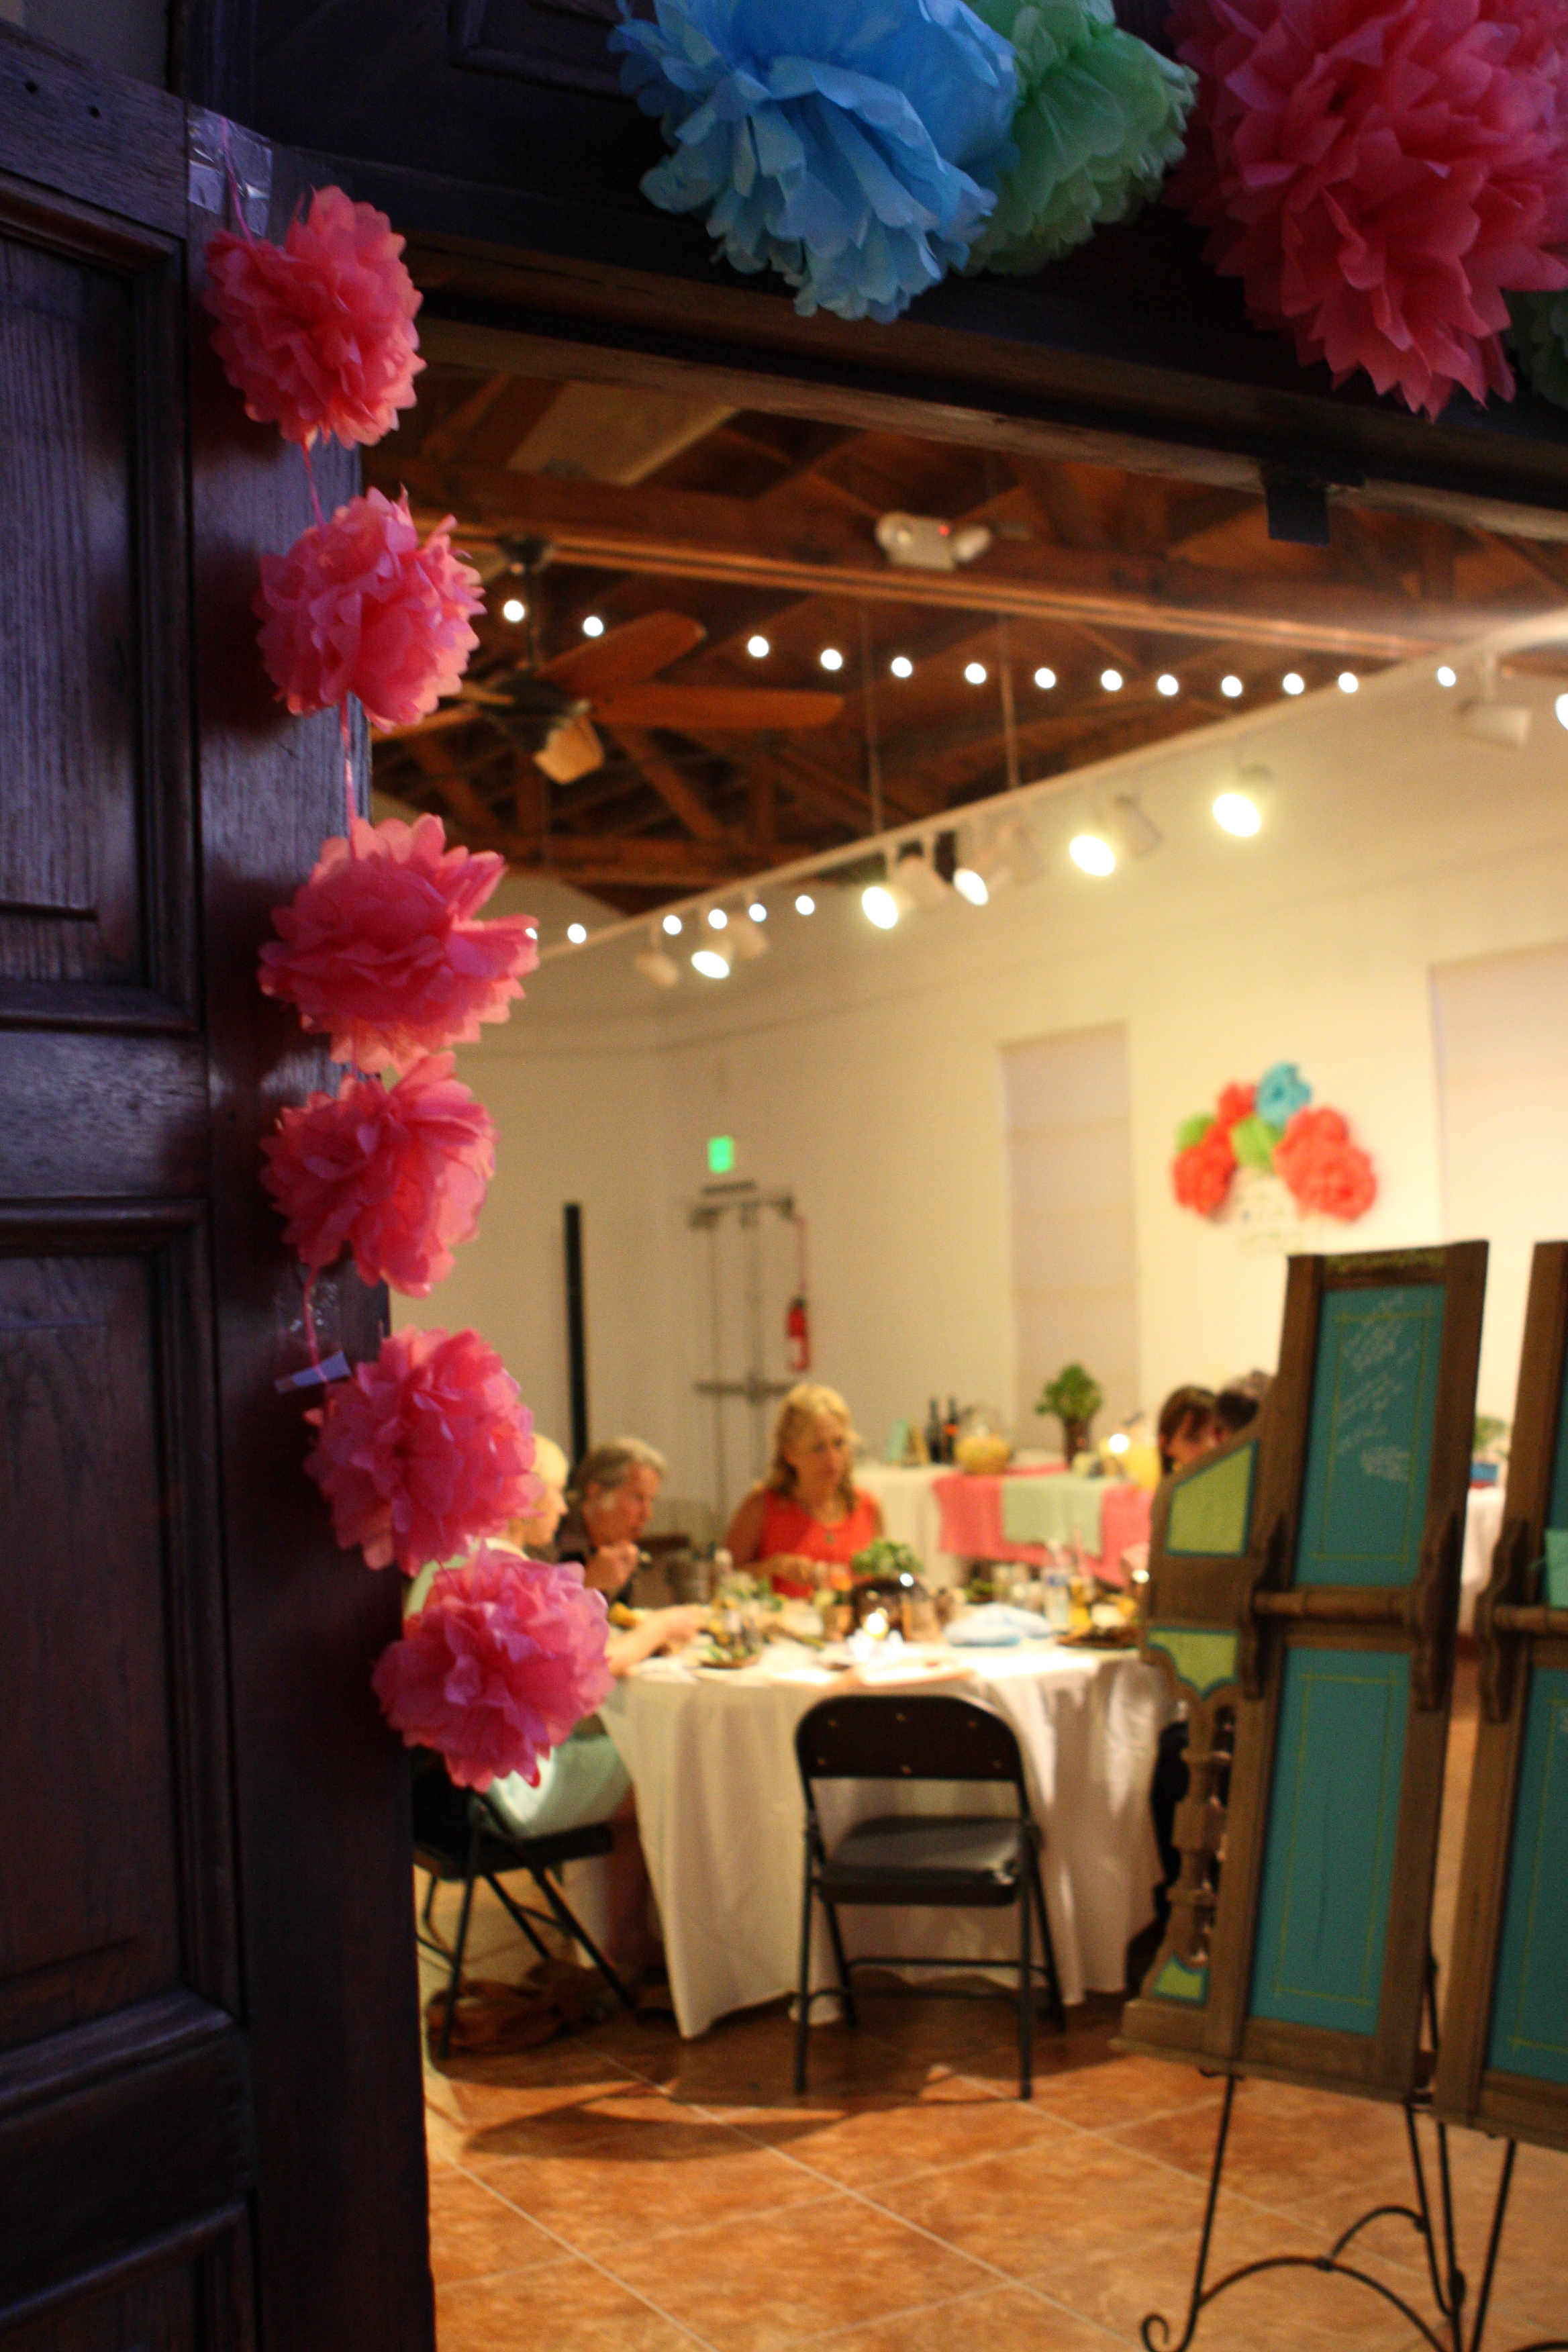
1303	1601
1503	2060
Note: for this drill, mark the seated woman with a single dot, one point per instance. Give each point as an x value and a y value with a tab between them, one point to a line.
606	1510
807	1516
1187	1428
584	1781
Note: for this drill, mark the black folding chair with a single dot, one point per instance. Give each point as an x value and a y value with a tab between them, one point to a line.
944	1861
459	1838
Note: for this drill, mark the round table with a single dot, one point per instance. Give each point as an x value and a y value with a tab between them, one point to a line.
720	1814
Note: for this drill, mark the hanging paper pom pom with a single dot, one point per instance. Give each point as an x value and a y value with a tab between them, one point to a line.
318	332
1235	1103
504	1658
1200	1174
380	947
1325	1171
1281	1091
397	1174
1098	124
856	151
426	1451
358	607
1377	173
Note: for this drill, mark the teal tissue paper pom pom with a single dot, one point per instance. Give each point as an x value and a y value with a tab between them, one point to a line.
855	146
1101	118
1541	342
1281	1091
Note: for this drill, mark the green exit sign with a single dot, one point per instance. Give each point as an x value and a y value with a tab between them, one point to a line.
721	1155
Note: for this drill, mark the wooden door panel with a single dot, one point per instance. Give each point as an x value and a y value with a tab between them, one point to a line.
153	2314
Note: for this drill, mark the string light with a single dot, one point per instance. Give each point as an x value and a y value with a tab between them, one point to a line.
1293	682
1111	680
757	911
1446	677
831	658
1167	683
1093	853
975	673
717	919
1231	687
758	648
593	626
902	665
1045	680
576	933
1236	813
514	610
673	926
805	904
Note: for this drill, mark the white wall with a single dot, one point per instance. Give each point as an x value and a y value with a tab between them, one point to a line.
863	1071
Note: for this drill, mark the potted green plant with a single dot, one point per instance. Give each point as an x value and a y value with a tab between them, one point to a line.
1075	1397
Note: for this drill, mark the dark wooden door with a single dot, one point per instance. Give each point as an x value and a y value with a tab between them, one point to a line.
209	2074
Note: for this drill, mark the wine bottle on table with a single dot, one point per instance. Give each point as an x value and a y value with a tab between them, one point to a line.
933	1433
949	1429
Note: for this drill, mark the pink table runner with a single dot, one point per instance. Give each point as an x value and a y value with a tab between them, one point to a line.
972	1521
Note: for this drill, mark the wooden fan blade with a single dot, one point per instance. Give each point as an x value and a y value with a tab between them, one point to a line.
572	752
725	709
450	715
624	656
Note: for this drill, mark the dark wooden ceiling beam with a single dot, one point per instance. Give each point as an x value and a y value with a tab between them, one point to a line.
696	535
681	797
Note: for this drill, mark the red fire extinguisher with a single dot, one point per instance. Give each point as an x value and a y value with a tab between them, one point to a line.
797	1318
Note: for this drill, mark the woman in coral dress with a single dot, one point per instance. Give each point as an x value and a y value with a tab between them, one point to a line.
808	1520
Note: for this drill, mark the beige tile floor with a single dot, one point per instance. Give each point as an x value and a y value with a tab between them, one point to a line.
625	2191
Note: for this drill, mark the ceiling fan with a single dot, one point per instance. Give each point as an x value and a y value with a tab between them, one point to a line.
549	707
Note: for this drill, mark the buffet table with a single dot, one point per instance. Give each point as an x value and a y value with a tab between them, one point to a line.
719	1810
950	1517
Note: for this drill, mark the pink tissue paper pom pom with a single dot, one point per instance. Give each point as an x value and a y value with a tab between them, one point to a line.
1324	1171
397	1174
381	950
505	1657
358	607
1379	173
426	1451
1200	1176
318	332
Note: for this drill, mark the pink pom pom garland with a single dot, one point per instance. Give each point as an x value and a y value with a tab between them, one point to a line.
317	333
1380	173
429	1449
360	606
395	1174
505	1656
381	951
425	1451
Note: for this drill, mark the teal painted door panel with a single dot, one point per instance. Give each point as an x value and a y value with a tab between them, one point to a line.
1529	2013
1369	1450
1329	1867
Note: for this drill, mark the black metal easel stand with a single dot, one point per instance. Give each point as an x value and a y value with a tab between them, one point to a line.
1447	2281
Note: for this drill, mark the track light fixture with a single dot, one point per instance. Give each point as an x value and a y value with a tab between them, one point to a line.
712	963
656	965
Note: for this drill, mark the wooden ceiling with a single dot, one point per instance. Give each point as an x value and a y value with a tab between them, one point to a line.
753	525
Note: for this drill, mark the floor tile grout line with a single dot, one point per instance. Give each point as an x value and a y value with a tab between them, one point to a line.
948	2303
576	2254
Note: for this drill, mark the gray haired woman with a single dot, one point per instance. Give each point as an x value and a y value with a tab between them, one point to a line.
608	1503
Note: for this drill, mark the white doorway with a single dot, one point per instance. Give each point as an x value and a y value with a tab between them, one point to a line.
1075	1269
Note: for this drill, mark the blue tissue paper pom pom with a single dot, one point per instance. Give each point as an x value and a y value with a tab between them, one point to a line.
1281	1092
853	145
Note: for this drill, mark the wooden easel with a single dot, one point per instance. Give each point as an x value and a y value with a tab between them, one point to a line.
1303	1594
1503	2064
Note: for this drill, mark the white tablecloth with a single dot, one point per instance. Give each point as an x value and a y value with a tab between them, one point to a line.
911	1516
720	1808
1483	1525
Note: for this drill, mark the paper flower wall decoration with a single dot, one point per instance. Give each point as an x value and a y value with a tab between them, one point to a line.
505	1656
318	332
425	1451
397	1174
854	149
381	950
360	606
1379	173
1269	1128
1099	123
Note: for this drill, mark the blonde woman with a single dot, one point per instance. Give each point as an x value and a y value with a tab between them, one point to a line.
807	1516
